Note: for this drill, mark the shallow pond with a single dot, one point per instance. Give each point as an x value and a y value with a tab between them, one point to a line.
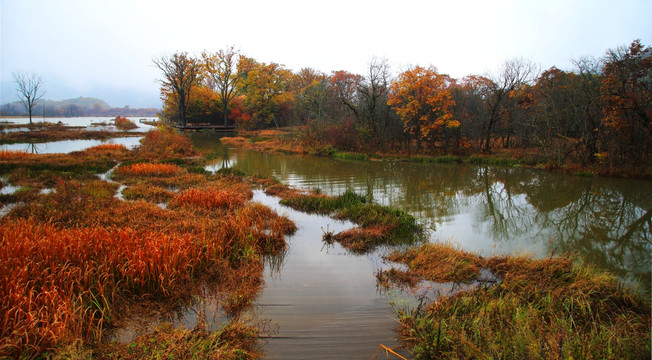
89	122
68	146
487	209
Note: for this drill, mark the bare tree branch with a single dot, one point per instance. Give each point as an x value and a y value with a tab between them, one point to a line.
30	90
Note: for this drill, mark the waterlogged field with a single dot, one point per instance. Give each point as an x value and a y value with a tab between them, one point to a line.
77	261
113	253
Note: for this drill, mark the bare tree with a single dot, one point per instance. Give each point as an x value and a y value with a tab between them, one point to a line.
512	75
30	90
221	68
180	74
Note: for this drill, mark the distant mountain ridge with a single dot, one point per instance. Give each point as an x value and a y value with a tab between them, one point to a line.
80	106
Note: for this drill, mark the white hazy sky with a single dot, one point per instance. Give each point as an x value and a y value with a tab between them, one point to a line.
105	48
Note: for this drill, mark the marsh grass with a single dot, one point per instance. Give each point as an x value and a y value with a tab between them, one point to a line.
554	308
74	260
165	143
378	225
123	123
234	341
149	193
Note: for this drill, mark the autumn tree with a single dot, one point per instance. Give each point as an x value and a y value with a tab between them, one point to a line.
567	113
344	87
422	99
627	95
267	92
507	83
221	69
470	95
181	74
310	89
30	90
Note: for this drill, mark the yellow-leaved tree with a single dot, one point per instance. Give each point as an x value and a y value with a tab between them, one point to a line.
423	100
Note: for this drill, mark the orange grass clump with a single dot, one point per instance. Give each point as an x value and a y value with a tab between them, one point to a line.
149	169
165	143
58	284
211	198
123	123
147	192
108	147
438	262
9	155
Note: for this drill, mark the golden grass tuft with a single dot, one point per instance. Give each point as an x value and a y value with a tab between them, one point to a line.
123	123
149	169
213	198
12	155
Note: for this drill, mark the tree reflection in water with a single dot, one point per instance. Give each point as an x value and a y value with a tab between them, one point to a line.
607	222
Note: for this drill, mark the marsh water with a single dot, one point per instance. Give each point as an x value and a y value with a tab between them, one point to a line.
323	302
487	209
67	146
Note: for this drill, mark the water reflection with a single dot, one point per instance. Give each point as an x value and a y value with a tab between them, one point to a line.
488	209
68	146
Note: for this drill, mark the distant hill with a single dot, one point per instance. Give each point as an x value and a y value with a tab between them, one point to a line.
81	106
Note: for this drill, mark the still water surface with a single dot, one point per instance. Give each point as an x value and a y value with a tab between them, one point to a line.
487	209
324	300
67	146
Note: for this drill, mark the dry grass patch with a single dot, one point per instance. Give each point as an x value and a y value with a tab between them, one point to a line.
149	169
150	193
554	308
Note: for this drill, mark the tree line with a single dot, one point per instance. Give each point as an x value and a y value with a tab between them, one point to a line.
598	113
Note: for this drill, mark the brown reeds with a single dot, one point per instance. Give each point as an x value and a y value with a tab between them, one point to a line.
553	308
123	123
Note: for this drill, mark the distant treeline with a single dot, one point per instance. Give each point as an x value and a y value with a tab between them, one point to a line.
594	115
82	106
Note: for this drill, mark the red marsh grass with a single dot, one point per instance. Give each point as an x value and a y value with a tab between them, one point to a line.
554	308
12	155
150	193
74	259
437	262
165	143
123	123
103	249
58	284
149	169
214	198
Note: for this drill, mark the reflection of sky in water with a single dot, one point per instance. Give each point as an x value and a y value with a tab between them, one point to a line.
323	295
80	121
67	146
492	210
221	163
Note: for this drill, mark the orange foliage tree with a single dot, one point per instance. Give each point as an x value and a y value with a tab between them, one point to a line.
267	91
423	100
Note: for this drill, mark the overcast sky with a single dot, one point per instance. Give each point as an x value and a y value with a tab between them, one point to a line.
105	48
